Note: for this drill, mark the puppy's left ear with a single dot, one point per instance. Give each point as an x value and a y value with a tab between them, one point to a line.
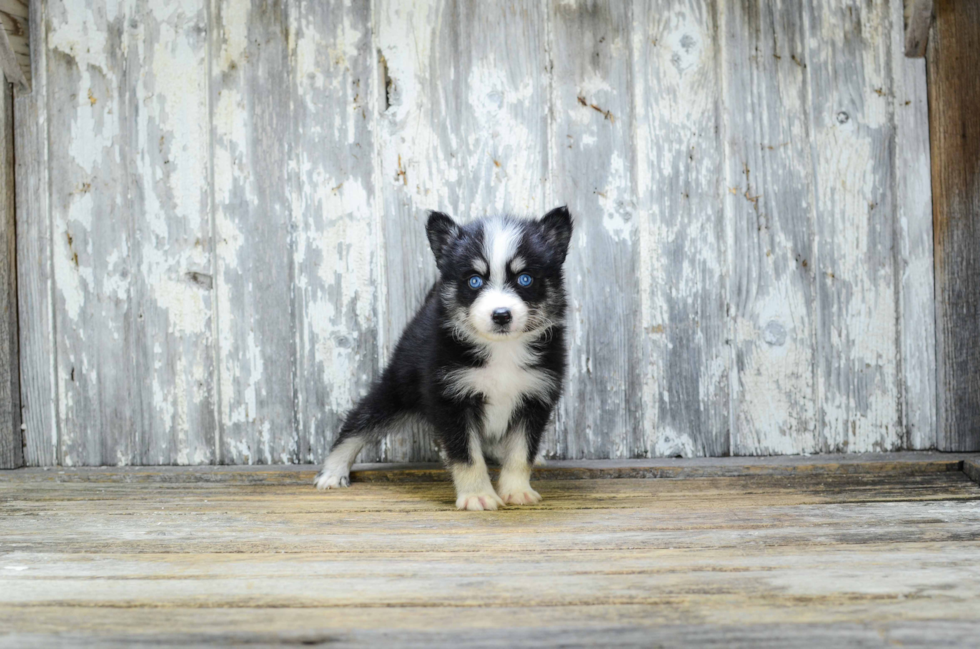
556	226
442	232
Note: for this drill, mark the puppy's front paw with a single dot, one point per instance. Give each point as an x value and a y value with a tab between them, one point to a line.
520	495
330	479
475	502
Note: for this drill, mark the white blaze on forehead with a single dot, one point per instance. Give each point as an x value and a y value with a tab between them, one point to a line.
500	241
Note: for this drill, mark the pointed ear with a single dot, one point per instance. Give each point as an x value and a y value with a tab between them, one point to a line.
442	232
556	226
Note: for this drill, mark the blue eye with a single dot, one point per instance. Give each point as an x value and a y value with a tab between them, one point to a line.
476	282
524	279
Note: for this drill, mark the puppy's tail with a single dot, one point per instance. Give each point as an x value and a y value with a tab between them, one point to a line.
369	421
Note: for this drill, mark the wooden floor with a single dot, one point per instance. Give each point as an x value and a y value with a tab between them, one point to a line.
863	551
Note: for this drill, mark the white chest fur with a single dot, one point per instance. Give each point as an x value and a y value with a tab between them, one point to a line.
504	381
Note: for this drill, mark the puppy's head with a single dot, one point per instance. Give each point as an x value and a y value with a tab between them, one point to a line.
501	276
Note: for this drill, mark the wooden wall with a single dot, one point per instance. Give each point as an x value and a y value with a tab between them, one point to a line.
221	211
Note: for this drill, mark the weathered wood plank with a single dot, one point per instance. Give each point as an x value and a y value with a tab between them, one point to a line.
918	20
462	129
971	467
255	300
913	243
129	203
91	129
34	259
171	255
682	236
591	169
14	46
769	212
337	232
11	434
666	623
954	129
257	563
16	26
849	83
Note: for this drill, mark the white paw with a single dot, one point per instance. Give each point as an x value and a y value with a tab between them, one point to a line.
521	495
331	479
476	502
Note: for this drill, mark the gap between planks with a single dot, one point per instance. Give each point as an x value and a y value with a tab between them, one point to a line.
665	468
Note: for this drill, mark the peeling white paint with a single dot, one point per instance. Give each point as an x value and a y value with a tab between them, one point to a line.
651	175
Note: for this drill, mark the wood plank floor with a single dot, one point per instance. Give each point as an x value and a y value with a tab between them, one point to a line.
866	551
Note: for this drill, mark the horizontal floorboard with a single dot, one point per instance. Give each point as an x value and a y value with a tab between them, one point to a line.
852	553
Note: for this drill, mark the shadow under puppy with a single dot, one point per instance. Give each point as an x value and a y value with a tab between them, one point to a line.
482	361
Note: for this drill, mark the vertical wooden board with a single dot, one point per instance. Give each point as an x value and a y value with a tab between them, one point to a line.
591	170
769	211
170	251
682	236
913	241
337	230
848	66
92	203
11	435
954	127
250	108
463	99
128	195
34	263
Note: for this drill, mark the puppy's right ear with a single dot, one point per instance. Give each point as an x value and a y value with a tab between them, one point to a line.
442	232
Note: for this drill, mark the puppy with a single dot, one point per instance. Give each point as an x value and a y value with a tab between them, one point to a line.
482	361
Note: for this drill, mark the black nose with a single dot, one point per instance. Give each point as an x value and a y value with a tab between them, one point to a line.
501	316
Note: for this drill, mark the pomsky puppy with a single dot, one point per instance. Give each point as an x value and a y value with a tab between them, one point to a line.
483	360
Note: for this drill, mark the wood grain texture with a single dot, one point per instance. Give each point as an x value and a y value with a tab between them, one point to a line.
11	434
592	172
769	210
91	126
954	129
778	557
128	198
683	255
16	27
35	272
913	244
462	129
918	20
255	299
336	230
222	212
852	142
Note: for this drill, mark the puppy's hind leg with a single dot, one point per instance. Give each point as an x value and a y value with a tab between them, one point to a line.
368	421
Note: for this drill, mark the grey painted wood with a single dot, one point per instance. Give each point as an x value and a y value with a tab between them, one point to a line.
954	127
683	249
592	172
250	109
770	213
246	186
913	243
91	121
11	435
128	200
39	400
336	228
852	142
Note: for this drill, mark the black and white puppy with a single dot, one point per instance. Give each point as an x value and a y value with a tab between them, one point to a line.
482	361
